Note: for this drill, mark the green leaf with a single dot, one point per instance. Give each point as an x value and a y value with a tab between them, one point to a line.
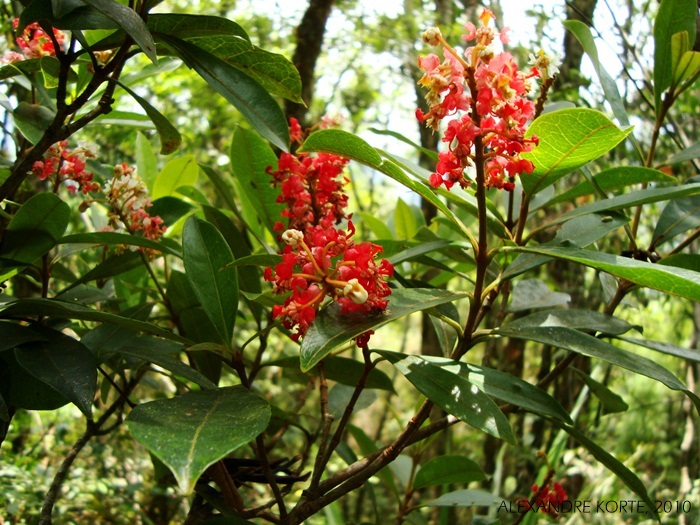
117	239
687	71
613	179
533	293
127	19
404	221
439	380
368	446
690	354
32	120
250	158
416	251
585	320
464	498
448	469
612	403
193	431
377	226
146	162
584	344
112	266
206	255
14	334
170	138
629	200
583	33
32	232
180	171
245	93
23	390
330	329
186	26
64	364
689	153
689	261
569	139
672	280
628	477
432	154
679	216
170	209
674	16
63	310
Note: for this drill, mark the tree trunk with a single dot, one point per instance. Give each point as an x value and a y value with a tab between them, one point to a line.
309	35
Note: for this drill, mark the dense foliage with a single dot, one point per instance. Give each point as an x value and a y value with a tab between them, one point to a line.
231	320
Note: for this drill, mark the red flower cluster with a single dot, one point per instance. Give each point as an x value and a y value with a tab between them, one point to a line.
62	165
548	499
318	259
34	43
485	94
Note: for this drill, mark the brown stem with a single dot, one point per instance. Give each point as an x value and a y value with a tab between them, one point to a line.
327	421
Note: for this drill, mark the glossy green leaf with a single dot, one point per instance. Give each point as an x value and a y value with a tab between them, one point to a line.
22	390
15	334
464	498
261	259
221	187
629	200
689	354
117	239
24	308
586	320
192	431
428	152
612	403
678	216
206	255
568	139
180	171
673	16
353	147
613	179
330	329
187	26
687	71
250	158
32	232
613	464
170	209
245	93
675	281
127	19
170	138
440	380
689	261
32	120
64	364
416	251
377	226
448	469
583	33
584	344
532	293
111	267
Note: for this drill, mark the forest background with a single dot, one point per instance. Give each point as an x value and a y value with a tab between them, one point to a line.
358	68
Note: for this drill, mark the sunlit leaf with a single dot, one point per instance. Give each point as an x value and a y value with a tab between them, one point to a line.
180	171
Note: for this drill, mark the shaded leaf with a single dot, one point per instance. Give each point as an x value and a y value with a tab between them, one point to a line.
117	239
448	469
250	157
612	403
246	94
23	390
678	216
533	293
170	138
32	120
585	320
127	19
575	341
192	431
64	364
464	498
439	380
690	354
330	329
205	256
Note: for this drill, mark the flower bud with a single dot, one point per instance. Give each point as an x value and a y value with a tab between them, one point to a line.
432	36
293	237
356	292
